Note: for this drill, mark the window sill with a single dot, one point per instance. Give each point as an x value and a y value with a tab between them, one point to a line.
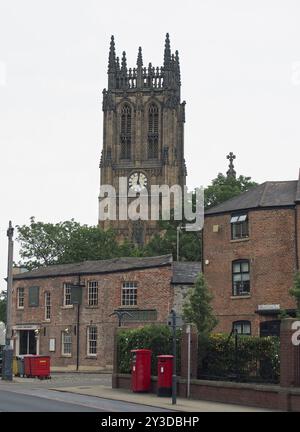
20	308
240	240
67	307
91	357
91	307
240	297
122	307
66	356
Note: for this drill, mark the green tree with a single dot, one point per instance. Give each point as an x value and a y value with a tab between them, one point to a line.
197	308
43	244
3	306
295	291
224	187
166	242
221	189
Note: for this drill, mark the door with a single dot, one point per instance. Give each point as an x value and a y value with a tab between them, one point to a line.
270	328
27	342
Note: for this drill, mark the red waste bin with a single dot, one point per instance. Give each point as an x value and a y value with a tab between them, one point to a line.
27	365
141	370
40	366
37	366
164	375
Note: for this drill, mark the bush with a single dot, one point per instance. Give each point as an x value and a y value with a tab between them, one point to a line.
158	338
256	358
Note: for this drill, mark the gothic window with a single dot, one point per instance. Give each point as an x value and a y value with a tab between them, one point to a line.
153	132
126	132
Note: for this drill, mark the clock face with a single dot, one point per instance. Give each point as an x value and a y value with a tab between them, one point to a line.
137	181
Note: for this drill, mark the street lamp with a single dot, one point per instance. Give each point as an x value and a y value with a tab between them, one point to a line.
179	228
8	351
76	298
120	315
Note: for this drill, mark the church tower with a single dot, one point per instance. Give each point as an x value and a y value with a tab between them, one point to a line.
143	131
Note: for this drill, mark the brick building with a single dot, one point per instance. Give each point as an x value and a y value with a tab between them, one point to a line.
45	320
251	252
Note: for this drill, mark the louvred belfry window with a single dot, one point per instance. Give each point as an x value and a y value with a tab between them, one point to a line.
153	132
125	132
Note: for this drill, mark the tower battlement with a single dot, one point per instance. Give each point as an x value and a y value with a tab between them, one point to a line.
120	77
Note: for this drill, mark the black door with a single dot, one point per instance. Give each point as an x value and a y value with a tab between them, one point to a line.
27	342
270	328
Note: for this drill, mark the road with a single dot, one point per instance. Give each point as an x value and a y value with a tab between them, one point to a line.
16	398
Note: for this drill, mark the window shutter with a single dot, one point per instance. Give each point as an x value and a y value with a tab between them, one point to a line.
34	296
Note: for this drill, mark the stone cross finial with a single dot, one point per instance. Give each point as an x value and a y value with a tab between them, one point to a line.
231	172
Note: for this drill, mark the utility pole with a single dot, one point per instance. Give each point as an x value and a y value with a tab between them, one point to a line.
178	239
174	377
188	331
8	351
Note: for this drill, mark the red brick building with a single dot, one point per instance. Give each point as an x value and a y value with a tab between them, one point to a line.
251	252
45	320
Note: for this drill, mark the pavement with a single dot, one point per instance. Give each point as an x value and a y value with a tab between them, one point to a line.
99	386
151	400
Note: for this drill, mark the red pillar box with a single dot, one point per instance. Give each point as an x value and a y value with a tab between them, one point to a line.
164	375
141	370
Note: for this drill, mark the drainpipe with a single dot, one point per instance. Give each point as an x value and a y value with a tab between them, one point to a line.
296	236
77	330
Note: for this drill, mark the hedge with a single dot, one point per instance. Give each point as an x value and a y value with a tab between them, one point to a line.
256	358
158	338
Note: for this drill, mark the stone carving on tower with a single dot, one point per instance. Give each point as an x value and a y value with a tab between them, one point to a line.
143	130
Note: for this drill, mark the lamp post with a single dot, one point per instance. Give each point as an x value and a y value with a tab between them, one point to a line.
76	298
8	351
120	315
10	233
179	228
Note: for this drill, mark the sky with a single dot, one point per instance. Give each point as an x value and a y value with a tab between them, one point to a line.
240	67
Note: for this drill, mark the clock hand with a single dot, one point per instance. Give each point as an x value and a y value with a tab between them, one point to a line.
138	181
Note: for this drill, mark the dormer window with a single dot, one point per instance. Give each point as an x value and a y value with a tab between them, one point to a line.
239	226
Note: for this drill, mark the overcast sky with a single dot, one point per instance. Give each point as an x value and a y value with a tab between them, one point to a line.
240	64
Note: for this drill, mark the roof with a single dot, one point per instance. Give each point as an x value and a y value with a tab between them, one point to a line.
185	272
268	194
97	267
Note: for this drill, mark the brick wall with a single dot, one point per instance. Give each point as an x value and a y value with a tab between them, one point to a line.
154	292
271	251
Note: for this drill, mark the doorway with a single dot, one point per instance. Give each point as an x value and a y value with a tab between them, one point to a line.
27	342
270	328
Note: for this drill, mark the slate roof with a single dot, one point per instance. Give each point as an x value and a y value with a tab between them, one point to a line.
185	272
97	267
268	194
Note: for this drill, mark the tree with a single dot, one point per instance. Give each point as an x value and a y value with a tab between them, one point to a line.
224	187
166	242
197	308
295	291
66	242
3	306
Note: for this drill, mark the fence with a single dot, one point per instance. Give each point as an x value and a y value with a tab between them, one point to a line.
240	358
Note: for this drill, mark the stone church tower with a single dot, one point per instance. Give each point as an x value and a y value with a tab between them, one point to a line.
143	131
